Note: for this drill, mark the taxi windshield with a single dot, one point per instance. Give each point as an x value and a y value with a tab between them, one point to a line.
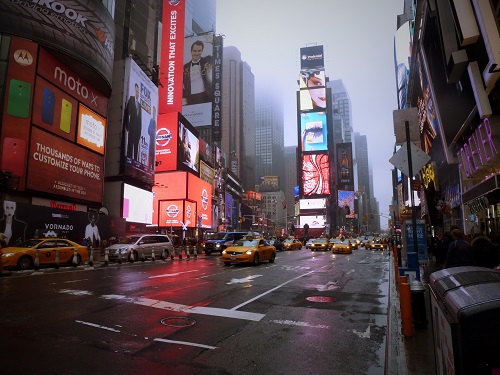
246	243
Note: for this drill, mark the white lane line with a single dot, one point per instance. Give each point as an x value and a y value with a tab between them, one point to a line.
171	274
186	343
275	288
300	324
76	292
98	326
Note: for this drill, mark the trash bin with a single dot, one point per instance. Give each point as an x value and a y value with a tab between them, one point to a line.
465	312
418	303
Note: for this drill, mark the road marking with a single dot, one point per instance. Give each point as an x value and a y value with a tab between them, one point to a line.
76	292
186	343
273	289
70	281
98	326
244	280
301	324
171	274
331	285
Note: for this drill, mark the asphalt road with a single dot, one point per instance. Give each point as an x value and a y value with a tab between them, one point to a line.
308	313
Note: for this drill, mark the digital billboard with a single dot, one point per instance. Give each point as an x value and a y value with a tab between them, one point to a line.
137	205
402	54
171	67
312	204
312	57
188	149
315	174
313	131
166	142
200	192
140	104
197	82
344	163
314	221
91	128
171	213
346	203
312	90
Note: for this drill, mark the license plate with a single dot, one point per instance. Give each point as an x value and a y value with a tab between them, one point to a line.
233	257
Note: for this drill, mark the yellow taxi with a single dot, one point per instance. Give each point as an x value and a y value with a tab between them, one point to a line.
249	250
375	245
22	256
292	244
340	246
320	244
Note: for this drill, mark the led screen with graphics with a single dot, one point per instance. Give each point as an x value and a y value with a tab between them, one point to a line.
137	205
312	95
166	142
346	203
170	213
91	129
314	221
315	174
313	131
197	92
312	204
312	57
188	149
140	103
344	161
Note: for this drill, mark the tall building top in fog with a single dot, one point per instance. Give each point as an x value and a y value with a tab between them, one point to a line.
200	17
342	106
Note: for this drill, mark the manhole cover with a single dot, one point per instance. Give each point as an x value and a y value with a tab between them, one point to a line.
180	321
320	299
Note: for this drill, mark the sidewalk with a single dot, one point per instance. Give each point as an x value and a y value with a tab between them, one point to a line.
408	355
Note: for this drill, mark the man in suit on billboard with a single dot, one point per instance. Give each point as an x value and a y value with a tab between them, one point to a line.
197	81
133	124
12	229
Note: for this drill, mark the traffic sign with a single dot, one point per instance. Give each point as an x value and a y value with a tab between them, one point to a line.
418	159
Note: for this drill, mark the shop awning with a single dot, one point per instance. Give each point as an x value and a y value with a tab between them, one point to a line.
489	188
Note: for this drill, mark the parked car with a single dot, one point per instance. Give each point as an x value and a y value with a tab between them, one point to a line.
320	244
375	245
292	244
22	256
340	246
140	245
249	250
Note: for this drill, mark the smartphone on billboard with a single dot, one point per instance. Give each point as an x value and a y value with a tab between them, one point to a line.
18	103
14	155
66	109
48	104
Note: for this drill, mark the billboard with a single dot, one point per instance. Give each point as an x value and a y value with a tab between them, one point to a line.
91	127
140	101
402	54
313	131
84	30
345	173
312	204
137	205
170	92
345	203
188	148
312	95
171	213
312	57
197	79
57	166
217	84
166	142
315	174
314	221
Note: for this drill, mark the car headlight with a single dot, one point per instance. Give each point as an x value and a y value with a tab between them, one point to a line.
224	252
217	245
8	255
249	252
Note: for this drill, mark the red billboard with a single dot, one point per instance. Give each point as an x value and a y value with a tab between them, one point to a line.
315	175
166	142
60	167
172	54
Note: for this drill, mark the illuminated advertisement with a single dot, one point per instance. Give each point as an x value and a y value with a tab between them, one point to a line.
91	129
60	167
312	57
200	192
313	130
312	94
346	203
315	174
402	52
314	221
170	88
205	151
197	81
344	163
166	142
312	204
137	205
140	104
207	173
229	208
171	212
84	30
188	149
217	85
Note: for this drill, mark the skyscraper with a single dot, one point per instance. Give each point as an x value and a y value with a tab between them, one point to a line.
342	106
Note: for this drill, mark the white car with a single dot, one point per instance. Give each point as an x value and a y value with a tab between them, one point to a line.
309	242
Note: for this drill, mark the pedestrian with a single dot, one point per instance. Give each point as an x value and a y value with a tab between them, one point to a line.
459	252
443	248
484	252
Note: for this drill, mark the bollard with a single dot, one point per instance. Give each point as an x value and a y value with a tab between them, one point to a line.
195	252
188	250
75	257
405	305
119	256
37	259
153	255
143	258
106	258
131	256
91	257
418	304
403	279
57	259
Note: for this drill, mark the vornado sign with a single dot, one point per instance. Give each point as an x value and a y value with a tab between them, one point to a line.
84	30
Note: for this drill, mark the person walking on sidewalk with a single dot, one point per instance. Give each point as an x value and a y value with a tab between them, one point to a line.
459	252
484	252
443	248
